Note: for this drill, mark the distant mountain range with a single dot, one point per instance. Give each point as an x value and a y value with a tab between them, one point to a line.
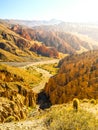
22	40
32	23
64	42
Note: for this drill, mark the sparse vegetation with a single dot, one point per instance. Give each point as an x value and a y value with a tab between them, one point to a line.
17	74
10	119
15	93
77	77
63	118
35	73
52	68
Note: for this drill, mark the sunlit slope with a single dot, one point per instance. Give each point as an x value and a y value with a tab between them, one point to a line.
14	47
16	93
77	77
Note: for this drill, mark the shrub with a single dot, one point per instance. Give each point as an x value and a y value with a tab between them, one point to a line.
93	101
85	100
10	119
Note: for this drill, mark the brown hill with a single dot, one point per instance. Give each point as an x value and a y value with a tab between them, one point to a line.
77	77
16	94
64	37
41	49
17	47
12	46
64	42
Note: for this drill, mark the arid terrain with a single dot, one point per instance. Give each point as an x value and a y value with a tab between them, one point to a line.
37	119
48	76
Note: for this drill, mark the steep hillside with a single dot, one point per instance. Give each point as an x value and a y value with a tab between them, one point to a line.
77	77
62	41
67	38
14	47
38	47
88	29
16	94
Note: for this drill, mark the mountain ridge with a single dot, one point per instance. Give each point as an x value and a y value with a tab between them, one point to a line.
64	42
77	78
46	40
21	48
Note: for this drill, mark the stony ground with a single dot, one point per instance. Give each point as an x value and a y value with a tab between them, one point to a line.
36	119
24	125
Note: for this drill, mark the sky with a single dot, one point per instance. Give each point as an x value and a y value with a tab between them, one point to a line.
66	10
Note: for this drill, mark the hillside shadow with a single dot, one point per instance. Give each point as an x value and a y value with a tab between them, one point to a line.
43	100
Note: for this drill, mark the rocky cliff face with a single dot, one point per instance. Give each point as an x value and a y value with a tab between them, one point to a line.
45	51
63	41
77	77
18	29
15	95
30	34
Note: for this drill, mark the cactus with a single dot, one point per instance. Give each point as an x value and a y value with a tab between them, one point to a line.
76	104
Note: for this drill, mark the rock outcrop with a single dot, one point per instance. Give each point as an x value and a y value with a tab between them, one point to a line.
45	51
18	29
15	95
